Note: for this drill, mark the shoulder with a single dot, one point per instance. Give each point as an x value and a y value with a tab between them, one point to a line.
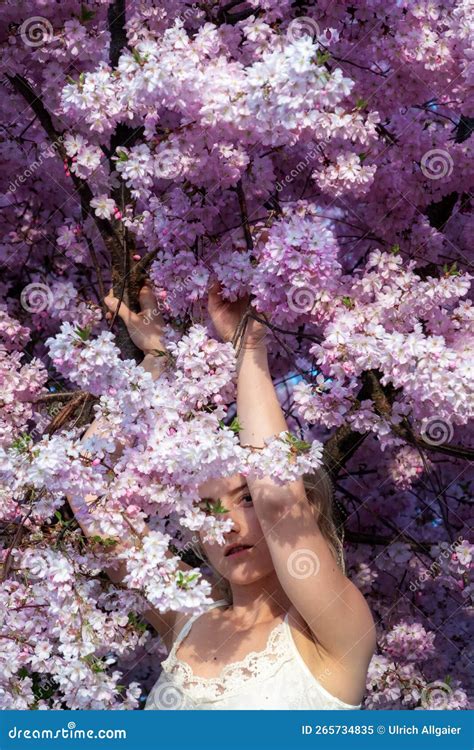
181	621
343	678
170	624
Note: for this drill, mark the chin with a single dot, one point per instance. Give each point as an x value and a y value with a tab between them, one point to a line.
244	568
243	572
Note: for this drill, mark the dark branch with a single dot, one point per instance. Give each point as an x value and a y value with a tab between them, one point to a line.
118	36
107	229
245	216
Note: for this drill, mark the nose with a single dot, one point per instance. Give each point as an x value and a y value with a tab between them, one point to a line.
235	524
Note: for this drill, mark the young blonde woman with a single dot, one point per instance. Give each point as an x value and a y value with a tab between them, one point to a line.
292	631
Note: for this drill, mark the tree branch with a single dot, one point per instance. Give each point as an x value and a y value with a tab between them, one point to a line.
383	406
245	216
131	274
118	36
106	228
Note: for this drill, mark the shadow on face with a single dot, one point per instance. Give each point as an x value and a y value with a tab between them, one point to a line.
244	557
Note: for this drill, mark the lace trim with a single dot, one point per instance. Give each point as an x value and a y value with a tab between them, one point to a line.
256	665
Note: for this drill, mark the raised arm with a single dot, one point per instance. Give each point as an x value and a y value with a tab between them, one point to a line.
334	609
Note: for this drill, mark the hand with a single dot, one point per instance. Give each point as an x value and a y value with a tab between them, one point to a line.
146	328
226	316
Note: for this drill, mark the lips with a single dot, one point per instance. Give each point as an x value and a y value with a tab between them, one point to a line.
236	549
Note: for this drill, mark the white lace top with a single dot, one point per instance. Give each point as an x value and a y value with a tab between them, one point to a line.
275	678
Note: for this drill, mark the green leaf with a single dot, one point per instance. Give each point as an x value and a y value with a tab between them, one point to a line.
86	14
138	58
348	302
22	443
234	426
122	156
83	333
136	622
362	157
451	270
361	103
395	249
322	57
94	663
105	541
184	580
297	445
216	507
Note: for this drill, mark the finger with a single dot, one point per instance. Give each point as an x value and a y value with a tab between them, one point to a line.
214	298
129	318
215	288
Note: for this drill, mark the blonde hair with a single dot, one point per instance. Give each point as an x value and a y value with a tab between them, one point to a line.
320	492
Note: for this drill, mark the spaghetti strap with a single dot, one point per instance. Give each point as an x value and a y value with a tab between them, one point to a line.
189	623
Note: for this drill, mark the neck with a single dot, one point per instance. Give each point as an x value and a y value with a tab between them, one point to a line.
258	602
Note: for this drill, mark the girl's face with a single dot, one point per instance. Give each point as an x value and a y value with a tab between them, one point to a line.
253	562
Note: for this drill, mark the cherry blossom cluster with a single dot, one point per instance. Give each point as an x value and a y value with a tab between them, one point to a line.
20	381
285	458
318	159
415	332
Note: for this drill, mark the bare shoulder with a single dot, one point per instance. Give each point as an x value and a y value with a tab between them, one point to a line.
343	676
170	624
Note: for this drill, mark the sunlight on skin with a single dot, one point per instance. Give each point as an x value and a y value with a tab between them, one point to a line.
248	566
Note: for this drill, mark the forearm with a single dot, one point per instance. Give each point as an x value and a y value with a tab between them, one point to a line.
259	412
260	416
